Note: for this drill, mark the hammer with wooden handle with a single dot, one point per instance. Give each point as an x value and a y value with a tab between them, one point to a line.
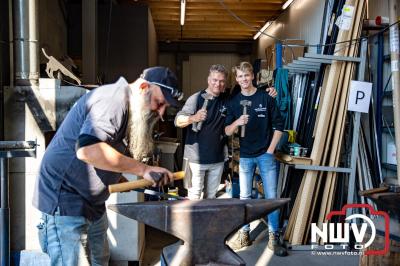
141	183
245	104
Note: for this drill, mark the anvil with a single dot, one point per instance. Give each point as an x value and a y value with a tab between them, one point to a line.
203	225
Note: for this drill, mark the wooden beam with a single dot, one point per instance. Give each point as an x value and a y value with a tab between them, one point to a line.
212	12
204	29
243	2
190	6
204	19
218	24
212	34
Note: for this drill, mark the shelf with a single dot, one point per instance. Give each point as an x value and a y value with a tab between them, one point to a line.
387	107
288	159
386	130
387	93
389	166
386	57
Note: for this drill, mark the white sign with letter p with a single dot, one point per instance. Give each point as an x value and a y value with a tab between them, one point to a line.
360	96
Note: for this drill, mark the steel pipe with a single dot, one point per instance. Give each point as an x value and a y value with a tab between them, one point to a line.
26	41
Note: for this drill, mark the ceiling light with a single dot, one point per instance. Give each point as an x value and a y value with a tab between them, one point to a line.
183	7
285	5
262	30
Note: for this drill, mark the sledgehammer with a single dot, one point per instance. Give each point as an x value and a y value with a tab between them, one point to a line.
207	97
141	183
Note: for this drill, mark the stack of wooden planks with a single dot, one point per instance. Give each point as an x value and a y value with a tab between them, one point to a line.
328	135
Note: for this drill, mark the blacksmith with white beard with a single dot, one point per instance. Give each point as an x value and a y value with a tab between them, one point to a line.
106	133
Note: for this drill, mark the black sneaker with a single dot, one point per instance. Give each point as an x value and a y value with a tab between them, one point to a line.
275	245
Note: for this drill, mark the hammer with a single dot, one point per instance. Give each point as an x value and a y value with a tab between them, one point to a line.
245	104
197	126
141	183
383	188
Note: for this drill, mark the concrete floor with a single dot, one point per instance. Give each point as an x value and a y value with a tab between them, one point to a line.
257	254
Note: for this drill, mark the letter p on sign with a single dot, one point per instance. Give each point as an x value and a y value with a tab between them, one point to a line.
360	96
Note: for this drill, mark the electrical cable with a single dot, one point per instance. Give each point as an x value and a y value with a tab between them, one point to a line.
245	22
221	2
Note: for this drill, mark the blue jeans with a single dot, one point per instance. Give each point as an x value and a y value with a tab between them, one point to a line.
74	240
267	166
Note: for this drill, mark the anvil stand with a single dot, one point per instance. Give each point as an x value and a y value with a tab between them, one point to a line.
9	149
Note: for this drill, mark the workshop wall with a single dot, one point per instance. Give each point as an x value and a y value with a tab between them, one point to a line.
125	51
302	20
52	28
152	41
122	51
196	69
168	60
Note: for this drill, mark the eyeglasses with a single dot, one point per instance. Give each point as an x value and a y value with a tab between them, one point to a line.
174	92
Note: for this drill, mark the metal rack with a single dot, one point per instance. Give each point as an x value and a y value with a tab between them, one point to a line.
311	63
9	149
314	60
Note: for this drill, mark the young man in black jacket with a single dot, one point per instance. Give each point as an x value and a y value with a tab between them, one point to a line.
263	129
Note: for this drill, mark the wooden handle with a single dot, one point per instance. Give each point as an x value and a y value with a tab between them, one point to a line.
141	183
373	191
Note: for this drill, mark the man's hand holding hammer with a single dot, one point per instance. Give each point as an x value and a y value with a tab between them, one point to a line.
241	121
158	175
200	115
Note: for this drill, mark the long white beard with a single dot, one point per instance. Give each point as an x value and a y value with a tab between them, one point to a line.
140	128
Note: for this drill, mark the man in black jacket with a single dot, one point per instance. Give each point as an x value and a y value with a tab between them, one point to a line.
204	148
264	126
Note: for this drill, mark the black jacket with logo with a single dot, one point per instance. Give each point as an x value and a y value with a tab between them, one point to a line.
207	145
264	118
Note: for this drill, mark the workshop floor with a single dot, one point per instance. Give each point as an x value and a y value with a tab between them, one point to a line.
257	254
